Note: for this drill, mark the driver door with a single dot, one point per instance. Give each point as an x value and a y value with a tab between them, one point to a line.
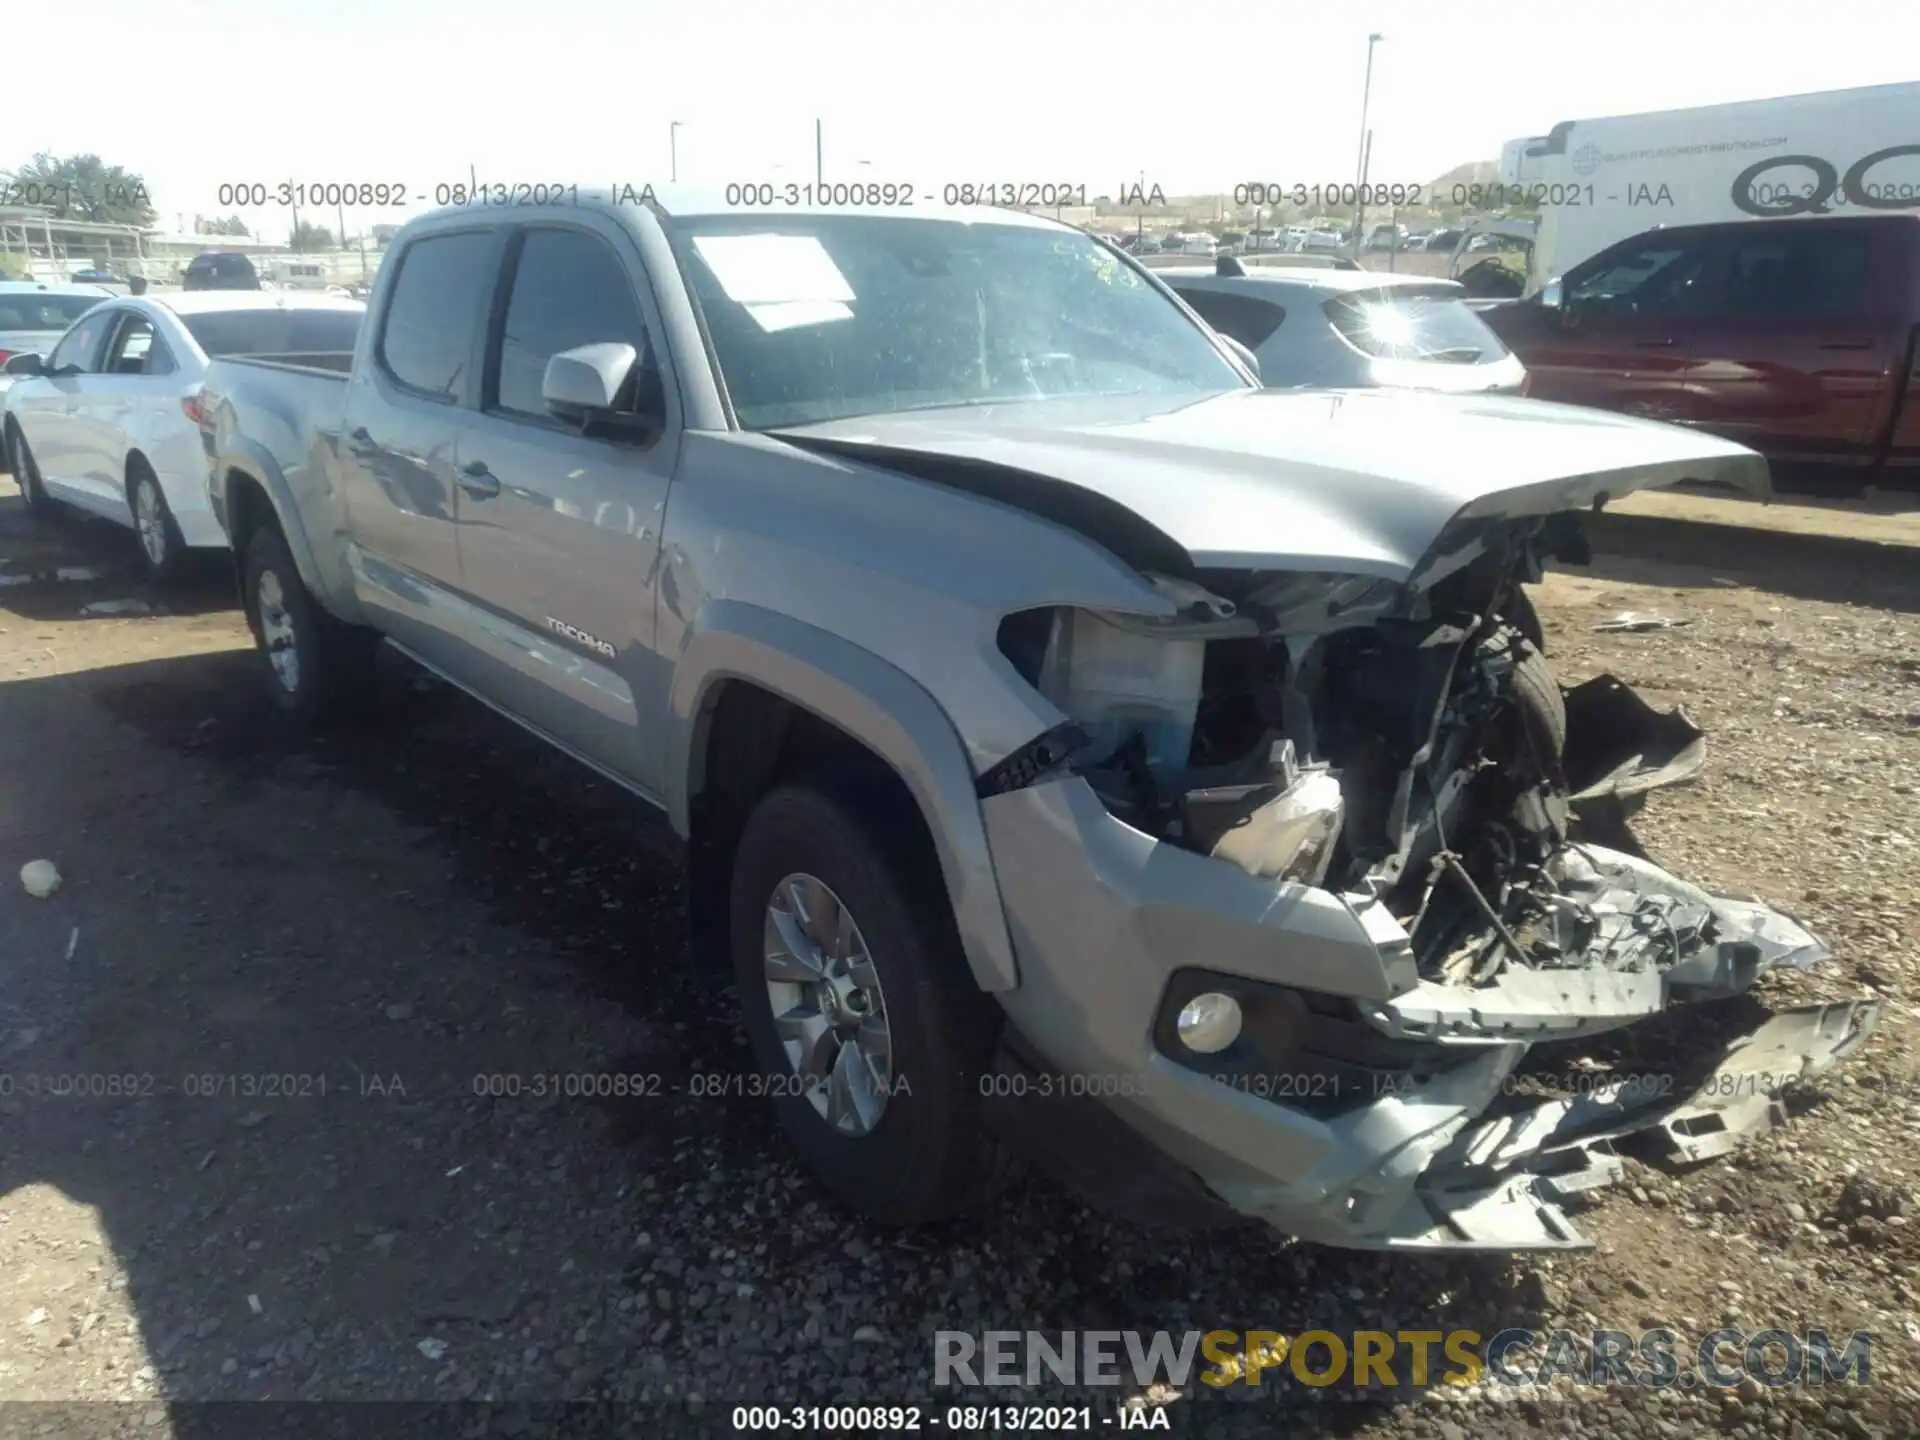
1613	343
48	408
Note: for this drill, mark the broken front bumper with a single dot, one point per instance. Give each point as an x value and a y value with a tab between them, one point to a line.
1445	1155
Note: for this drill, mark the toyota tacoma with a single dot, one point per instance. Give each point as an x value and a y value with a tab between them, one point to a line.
1079	750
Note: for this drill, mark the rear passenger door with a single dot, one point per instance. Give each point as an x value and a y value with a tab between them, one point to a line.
560	529
401	426
133	402
1794	357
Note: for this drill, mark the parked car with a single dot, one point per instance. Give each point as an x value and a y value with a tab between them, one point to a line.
220	270
1796	337
1325	240
107	421
98	277
35	314
1037	697
1352	328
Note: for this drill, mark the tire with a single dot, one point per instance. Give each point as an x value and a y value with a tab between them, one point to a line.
163	554
319	669
924	1153
26	475
1542	704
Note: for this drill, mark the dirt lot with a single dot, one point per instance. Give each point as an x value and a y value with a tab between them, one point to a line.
300	958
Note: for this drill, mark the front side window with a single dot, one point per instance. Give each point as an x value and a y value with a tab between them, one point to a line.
78	351
1661	277
569	289
815	318
438	297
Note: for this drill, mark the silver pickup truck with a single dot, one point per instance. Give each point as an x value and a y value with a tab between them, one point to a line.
1080	751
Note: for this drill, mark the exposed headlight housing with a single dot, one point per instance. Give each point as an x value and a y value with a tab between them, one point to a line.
1116	682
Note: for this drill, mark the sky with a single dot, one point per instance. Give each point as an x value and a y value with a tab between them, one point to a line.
192	94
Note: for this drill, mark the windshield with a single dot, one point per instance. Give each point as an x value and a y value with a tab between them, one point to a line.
34	310
1409	324
817	318
274	332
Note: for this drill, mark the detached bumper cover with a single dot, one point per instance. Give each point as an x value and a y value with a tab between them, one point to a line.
1104	917
1500	1183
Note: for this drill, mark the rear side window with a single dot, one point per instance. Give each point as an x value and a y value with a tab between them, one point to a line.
1815	275
1239	317
35	310
275	331
1421	325
220	272
569	289
441	290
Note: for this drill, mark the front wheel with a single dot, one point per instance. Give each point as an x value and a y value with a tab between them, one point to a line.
320	669
27	475
868	1030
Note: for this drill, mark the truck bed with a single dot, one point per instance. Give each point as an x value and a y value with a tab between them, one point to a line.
338	363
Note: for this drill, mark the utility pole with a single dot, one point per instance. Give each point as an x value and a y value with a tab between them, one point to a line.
819	156
673	150
1366	95
1360	204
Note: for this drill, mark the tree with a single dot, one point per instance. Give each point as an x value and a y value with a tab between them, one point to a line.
309	236
84	187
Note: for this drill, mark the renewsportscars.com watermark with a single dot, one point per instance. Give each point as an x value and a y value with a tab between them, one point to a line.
1393	1359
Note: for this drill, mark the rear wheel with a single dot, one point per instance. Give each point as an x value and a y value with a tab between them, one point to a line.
162	552
868	1030
27	475
319	668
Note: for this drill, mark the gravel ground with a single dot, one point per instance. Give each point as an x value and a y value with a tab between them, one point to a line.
305	960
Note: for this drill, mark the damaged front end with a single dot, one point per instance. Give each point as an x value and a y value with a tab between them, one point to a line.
1405	750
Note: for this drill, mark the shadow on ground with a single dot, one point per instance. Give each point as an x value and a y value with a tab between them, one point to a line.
405	914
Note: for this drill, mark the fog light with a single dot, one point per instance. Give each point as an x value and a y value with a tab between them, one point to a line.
1209	1023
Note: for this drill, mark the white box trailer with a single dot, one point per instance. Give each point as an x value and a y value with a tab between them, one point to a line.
1594	182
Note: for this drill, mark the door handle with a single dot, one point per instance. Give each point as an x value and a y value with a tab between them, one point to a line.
478	481
1847	345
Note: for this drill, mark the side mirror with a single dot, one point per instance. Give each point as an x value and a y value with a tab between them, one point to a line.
599	385
1246	356
1553	295
21	366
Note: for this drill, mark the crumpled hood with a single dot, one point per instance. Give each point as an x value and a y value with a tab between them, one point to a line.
1356	481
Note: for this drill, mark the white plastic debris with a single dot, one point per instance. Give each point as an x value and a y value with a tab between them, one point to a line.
253	1303
433	1349
41	877
1636	621
117	607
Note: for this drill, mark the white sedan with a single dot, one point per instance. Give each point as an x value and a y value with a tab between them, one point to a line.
109	422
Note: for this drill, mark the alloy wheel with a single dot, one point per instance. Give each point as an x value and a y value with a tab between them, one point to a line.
150	519
277	631
829	1011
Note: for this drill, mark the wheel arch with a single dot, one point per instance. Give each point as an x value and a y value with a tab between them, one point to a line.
757	695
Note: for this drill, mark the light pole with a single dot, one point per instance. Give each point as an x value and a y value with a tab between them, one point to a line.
1360	165
673	151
